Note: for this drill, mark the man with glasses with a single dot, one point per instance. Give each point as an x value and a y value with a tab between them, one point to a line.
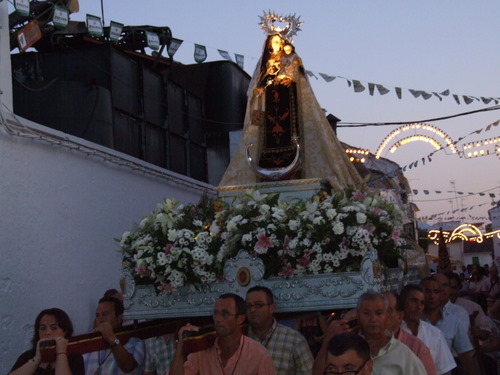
348	354
232	352
288	348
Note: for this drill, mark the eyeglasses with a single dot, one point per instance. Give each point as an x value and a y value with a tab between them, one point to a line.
350	372
225	314
257	305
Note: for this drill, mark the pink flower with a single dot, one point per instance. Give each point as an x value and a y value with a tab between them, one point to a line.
358	195
262	244
167	288
141	270
304	261
168	248
287	271
395	237
369	228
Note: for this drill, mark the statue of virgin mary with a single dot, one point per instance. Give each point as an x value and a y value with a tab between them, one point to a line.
286	134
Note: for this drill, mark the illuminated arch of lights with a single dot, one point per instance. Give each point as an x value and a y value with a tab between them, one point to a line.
437	135
464	232
415	138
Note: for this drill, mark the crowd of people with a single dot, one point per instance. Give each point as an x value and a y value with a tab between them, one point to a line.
449	323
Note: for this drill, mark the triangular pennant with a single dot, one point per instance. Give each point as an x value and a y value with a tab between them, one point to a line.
225	55
358	87
438	191
348	82
326	77
439	96
371	88
467	99
486	100
456	98
487	129
423	161
415	93
240	60
399	92
200	53
445	92
426	192
382	90
426	95
415	191
311	74
174	46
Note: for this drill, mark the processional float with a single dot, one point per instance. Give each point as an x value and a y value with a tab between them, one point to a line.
296	218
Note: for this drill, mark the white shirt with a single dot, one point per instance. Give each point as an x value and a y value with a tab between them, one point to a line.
435	341
395	358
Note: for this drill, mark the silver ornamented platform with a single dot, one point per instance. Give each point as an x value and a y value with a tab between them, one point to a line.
305	293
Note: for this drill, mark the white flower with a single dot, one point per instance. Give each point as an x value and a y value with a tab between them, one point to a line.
197	223
247	237
331	213
214	228
278	213
338	228
293	224
361	218
318	220
172	235
264	209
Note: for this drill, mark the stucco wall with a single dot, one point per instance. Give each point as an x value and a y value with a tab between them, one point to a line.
60	211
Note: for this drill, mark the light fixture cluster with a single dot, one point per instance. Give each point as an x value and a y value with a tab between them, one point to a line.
354	152
464	232
481	148
436	133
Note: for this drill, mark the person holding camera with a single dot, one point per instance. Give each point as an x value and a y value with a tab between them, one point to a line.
53	327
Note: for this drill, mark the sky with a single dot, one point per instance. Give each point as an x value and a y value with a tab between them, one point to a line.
426	45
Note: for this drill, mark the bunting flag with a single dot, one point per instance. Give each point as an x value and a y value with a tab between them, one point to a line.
326	77
240	60
358	87
311	74
200	53
225	55
174	46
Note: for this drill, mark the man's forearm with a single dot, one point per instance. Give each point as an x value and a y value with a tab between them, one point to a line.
125	361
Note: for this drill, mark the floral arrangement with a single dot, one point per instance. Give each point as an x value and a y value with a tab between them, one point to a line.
181	245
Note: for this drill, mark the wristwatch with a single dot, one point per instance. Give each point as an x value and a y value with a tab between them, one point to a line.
115	343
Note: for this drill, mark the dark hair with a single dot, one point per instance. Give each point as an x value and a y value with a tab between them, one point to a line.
429	278
62	319
339	344
454	276
260	288
116	302
399	305
407	289
372	296
241	307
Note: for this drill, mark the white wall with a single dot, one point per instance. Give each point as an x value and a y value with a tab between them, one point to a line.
60	211
62	202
